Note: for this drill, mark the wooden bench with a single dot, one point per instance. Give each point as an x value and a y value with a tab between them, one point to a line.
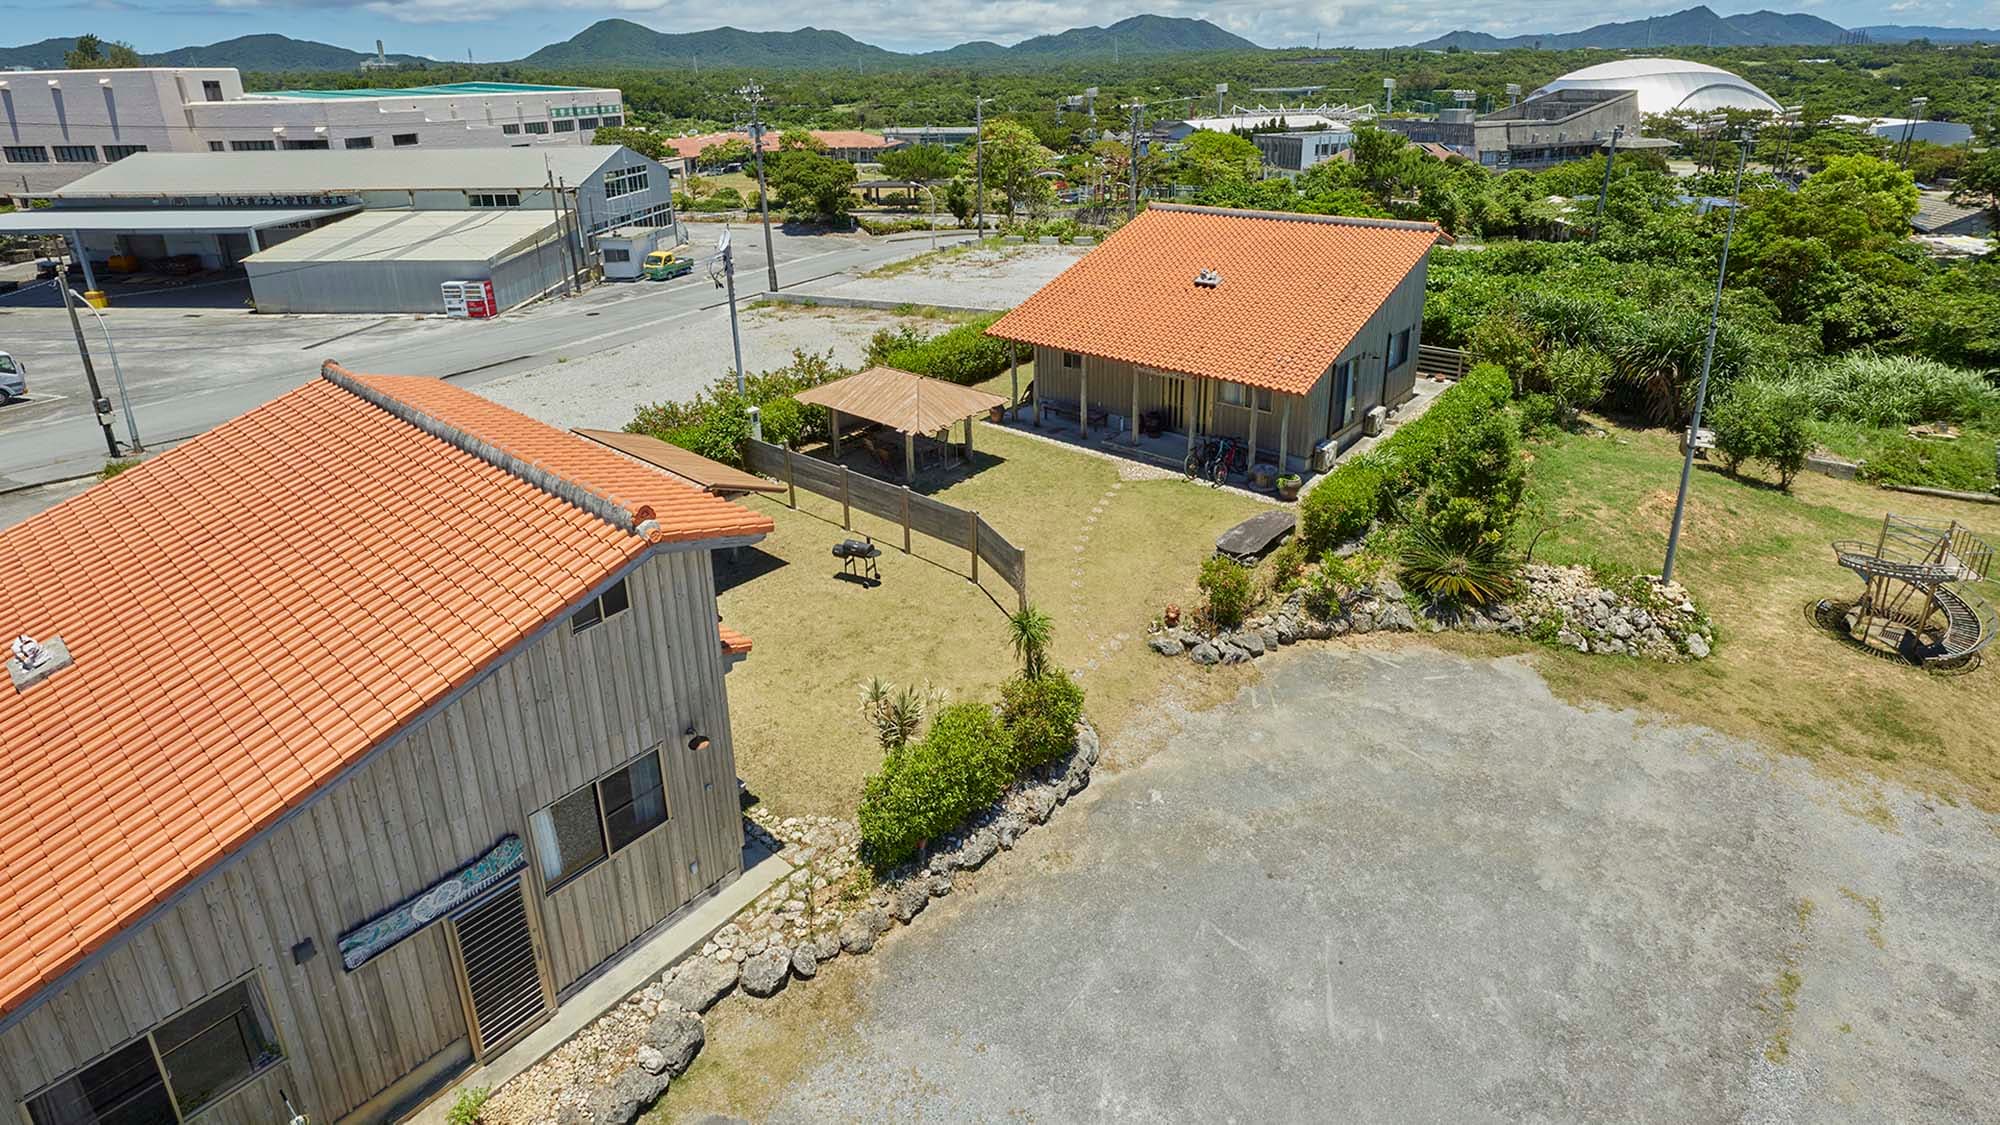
1067	408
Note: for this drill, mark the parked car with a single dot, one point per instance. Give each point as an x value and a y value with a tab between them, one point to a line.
663	264
13	379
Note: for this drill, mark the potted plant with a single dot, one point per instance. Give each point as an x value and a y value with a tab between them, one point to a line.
996	414
1173	616
1288	486
1261	474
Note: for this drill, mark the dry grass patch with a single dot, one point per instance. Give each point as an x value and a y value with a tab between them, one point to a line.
1756	558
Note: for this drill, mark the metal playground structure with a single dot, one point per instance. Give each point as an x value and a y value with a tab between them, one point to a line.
1918	602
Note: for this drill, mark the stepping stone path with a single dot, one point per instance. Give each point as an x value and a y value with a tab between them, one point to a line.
1110	644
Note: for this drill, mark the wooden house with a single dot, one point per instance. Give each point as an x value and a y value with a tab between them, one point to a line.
1278	330
357	733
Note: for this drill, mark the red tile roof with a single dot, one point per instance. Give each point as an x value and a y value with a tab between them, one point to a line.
733	642
691	146
1295	290
252	611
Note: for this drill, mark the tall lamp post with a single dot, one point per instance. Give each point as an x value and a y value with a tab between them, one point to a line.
117	374
1707	362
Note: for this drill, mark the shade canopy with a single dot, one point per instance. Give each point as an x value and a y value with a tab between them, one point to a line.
165	220
707	475
901	400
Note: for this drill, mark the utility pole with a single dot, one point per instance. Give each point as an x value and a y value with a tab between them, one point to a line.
1132	204
1707	361
979	165
117	376
1910	130
1617	131
754	94
555	208
97	400
724	263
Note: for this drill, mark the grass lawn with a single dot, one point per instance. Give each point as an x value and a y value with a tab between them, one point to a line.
1755	558
1105	555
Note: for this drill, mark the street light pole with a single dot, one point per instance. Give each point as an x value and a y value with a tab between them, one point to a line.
979	165
97	399
1707	361
1132	204
117	375
1617	131
754	94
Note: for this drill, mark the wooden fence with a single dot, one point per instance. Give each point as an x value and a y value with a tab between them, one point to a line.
916	514
1448	362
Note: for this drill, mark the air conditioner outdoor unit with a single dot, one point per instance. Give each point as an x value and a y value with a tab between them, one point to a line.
1324	454
1371	423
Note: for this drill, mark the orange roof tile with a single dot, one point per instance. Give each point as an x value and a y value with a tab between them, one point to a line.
1295	290
691	146
733	642
251	612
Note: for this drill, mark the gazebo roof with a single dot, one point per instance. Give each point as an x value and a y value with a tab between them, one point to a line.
901	400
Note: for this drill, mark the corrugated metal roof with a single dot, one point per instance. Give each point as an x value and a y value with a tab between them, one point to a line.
56	220
341	170
416	236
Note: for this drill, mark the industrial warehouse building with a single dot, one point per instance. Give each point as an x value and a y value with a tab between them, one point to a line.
63	125
190	213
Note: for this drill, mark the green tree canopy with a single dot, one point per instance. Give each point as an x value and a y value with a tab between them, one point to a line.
920	162
1014	162
1209	158
92	53
721	154
649	145
807	183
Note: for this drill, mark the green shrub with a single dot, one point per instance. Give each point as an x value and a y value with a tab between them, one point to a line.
1884	390
1541	415
964	354
1765	420
1040	715
718	436
1342	506
465	1109
713	422
784	420
1288	563
1227	586
928	788
1965	465
1446	567
1574	378
1476	481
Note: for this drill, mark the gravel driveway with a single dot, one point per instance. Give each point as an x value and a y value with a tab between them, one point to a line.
1400	885
984	278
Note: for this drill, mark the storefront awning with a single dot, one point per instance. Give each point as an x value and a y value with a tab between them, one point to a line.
160	220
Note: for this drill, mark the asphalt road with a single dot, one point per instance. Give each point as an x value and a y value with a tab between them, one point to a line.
1398	885
190	369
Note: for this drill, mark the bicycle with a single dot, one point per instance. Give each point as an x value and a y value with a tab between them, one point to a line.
1230	457
1200	460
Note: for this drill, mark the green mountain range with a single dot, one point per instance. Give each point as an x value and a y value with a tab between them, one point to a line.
246	52
1697	26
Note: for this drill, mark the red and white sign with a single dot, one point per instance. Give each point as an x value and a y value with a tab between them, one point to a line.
469	299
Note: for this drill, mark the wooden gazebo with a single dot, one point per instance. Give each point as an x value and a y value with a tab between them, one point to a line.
903	401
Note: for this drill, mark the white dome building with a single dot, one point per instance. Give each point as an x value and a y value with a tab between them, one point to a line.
1669	84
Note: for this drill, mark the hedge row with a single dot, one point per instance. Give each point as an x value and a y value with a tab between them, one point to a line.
965	354
969	757
1360	489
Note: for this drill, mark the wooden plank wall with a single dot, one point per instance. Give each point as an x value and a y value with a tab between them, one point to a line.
560	713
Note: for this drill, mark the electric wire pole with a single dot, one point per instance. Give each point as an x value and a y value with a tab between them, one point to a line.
97	400
1707	360
754	94
1132	204
1610	156
979	165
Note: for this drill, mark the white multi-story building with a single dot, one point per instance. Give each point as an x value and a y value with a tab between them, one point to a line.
57	125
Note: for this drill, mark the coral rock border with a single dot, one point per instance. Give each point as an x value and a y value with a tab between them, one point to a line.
614	1070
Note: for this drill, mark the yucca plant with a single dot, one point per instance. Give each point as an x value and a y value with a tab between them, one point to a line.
1030	630
1477	573
897	713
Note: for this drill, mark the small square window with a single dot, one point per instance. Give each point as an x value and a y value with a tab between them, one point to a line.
358	142
565	126
403	140
216	146
536	126
211	91
635	801
1234	394
511	129
589	617
1071	361
615	600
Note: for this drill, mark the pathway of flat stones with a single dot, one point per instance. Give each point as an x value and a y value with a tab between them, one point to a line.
1391	884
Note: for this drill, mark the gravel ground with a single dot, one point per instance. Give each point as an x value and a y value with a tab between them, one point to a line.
997	278
1394	884
602	390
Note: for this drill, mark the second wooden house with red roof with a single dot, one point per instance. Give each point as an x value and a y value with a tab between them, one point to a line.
1281	331
353	736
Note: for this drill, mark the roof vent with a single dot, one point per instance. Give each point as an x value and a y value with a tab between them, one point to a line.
32	661
1208	279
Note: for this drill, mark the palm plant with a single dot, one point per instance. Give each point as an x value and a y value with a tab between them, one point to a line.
1477	572
897	714
1029	629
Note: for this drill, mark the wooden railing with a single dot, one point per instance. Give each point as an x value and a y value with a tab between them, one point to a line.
1448	362
914	513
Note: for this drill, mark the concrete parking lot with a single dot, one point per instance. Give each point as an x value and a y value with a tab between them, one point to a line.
1399	885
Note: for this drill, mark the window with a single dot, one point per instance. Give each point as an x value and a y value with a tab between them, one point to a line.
76	154
1399	349
610	603
617	254
207	1051
569	836
511	129
599	819
1071	361
536	126
635	801
216	146
493	198
624	181
211	91
1263	398
587	123
304	146
358	142
1347	378
27	154
253	146
403	140
120	152
565	126
1235	394
614	121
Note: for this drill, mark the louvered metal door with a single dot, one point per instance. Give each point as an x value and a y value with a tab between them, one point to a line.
506	988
